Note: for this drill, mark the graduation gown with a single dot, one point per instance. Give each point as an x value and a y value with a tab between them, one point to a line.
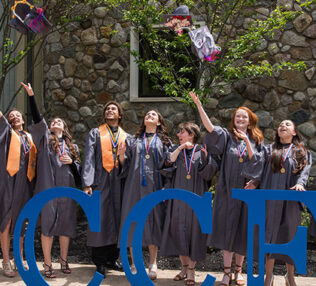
182	232
58	217
111	187
135	191
230	216
282	217
14	191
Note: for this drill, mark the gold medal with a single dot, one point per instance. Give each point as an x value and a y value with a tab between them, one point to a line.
188	176
147	156
114	150
241	160
282	170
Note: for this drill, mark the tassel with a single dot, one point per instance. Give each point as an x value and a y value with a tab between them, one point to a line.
144	182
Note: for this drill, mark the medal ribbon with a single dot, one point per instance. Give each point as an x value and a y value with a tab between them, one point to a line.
62	149
144	147
116	139
26	147
240	154
191	159
286	155
150	143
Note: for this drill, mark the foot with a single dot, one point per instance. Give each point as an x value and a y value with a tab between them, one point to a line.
152	271
48	271
183	273
116	265
7	269
239	279
190	277
101	269
64	267
133	269
227	276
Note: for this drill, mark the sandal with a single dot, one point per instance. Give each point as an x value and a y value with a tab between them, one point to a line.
7	269
48	270
25	265
152	271
241	280
180	277
190	282
64	266
228	274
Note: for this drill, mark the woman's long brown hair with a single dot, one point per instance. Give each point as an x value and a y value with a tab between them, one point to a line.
254	132
298	152
161	129
54	141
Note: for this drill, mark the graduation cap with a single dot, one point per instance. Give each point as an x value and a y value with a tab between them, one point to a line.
203	44
26	17
179	18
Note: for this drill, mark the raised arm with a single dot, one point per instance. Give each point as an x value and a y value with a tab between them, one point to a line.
34	110
205	119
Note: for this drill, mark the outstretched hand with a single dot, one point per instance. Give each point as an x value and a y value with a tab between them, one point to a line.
195	98
28	88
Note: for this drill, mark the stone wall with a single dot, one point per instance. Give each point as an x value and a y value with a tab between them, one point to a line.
88	65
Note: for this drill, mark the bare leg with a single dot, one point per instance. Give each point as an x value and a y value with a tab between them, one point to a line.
227	257
153	251
238	270
131	252
152	269
22	246
5	246
290	274
269	271
5	243
64	245
47	243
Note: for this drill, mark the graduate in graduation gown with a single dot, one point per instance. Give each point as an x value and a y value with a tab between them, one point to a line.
191	169
236	147
285	166
100	172
58	165
17	171
144	156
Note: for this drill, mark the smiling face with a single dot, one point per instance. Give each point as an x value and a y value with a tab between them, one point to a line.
16	119
57	125
286	130
184	136
241	120
151	118
111	113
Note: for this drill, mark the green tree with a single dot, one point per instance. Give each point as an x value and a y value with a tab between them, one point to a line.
13	50
237	45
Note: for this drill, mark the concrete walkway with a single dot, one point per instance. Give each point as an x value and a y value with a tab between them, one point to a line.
82	274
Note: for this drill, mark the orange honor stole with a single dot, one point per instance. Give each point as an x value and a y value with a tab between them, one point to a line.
13	163
106	146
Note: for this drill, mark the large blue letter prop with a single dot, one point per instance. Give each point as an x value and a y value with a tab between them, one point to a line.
202	206
296	249
91	206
